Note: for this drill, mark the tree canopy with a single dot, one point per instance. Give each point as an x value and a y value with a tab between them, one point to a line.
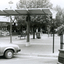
36	21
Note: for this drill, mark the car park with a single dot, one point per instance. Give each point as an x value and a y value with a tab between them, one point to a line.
8	50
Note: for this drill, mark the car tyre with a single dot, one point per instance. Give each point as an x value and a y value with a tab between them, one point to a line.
8	54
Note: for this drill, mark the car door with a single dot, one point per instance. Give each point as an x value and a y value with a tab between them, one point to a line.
0	51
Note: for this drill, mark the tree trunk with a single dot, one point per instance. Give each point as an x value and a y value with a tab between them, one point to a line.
33	33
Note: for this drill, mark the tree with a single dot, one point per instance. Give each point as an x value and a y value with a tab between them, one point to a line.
59	16
36	20
34	4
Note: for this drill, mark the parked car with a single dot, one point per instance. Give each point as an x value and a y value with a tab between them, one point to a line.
8	50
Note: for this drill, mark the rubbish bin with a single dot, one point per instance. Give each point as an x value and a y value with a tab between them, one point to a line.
38	35
61	56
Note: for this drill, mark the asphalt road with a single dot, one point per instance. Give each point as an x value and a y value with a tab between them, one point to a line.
29	60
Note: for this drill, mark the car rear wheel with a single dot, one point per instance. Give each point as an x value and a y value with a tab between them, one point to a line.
8	54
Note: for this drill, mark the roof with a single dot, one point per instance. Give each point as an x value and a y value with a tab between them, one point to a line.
31	11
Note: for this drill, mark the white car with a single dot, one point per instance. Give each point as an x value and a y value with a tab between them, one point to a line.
8	50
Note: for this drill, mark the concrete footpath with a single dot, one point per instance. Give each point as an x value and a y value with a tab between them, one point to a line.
37	47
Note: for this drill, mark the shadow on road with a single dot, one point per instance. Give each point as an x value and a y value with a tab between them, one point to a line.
2	57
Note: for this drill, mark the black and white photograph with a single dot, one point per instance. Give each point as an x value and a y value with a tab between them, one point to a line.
32	32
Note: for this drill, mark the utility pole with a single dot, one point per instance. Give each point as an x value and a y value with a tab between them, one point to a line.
10	23
61	41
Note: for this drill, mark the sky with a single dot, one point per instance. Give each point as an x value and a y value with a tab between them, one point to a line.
5	4
57	2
